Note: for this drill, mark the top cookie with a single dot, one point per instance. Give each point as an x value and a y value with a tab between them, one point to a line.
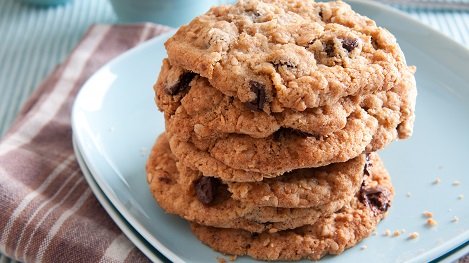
288	54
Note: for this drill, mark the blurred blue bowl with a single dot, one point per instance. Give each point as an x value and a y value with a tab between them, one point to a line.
166	12
46	2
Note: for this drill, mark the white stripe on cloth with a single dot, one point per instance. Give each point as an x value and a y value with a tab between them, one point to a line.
118	250
25	202
53	102
144	35
52	209
58	224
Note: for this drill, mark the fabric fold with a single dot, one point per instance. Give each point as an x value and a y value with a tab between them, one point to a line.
49	213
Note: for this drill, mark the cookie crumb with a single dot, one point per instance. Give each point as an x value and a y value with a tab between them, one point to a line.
413	235
403	230
375	233
456	183
431	222
455	219
364	247
460	196
273	230
427	214
233	258
143	151
396	233
387	232
220	259
437	180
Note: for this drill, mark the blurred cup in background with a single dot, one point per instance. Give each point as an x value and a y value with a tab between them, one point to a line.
46	2
166	12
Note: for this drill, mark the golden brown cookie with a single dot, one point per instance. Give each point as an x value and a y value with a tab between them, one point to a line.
331	234
275	55
308	187
192	104
204	117
243	158
206	200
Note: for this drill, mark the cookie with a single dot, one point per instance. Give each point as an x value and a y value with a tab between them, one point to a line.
241	158
193	105
275	55
308	187
185	192
331	234
199	113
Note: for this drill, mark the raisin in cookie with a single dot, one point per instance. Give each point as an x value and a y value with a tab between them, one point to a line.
197	112
275	55
206	200
190	103
331	234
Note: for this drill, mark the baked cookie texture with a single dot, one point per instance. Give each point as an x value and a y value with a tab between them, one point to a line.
288	54
175	188
300	236
330	234
243	158
217	126
274	112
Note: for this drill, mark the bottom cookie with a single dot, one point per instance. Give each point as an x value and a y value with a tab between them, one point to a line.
329	235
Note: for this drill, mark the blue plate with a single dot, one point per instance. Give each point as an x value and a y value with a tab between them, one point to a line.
151	252
115	122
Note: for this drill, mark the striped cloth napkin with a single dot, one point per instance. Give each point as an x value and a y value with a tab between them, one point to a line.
47	211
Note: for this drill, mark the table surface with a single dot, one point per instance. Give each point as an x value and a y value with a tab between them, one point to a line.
37	39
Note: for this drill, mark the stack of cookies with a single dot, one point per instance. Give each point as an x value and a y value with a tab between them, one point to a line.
274	111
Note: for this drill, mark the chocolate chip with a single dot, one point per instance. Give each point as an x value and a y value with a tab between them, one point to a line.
164	179
181	85
254	15
286	63
329	48
374	43
258	89
368	164
350	44
206	188
376	198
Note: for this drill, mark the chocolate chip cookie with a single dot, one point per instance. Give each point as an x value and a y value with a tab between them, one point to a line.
204	117
331	234
239	157
275	55
308	187
193	105
206	200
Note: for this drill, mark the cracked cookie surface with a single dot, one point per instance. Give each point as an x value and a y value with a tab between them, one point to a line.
275	55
